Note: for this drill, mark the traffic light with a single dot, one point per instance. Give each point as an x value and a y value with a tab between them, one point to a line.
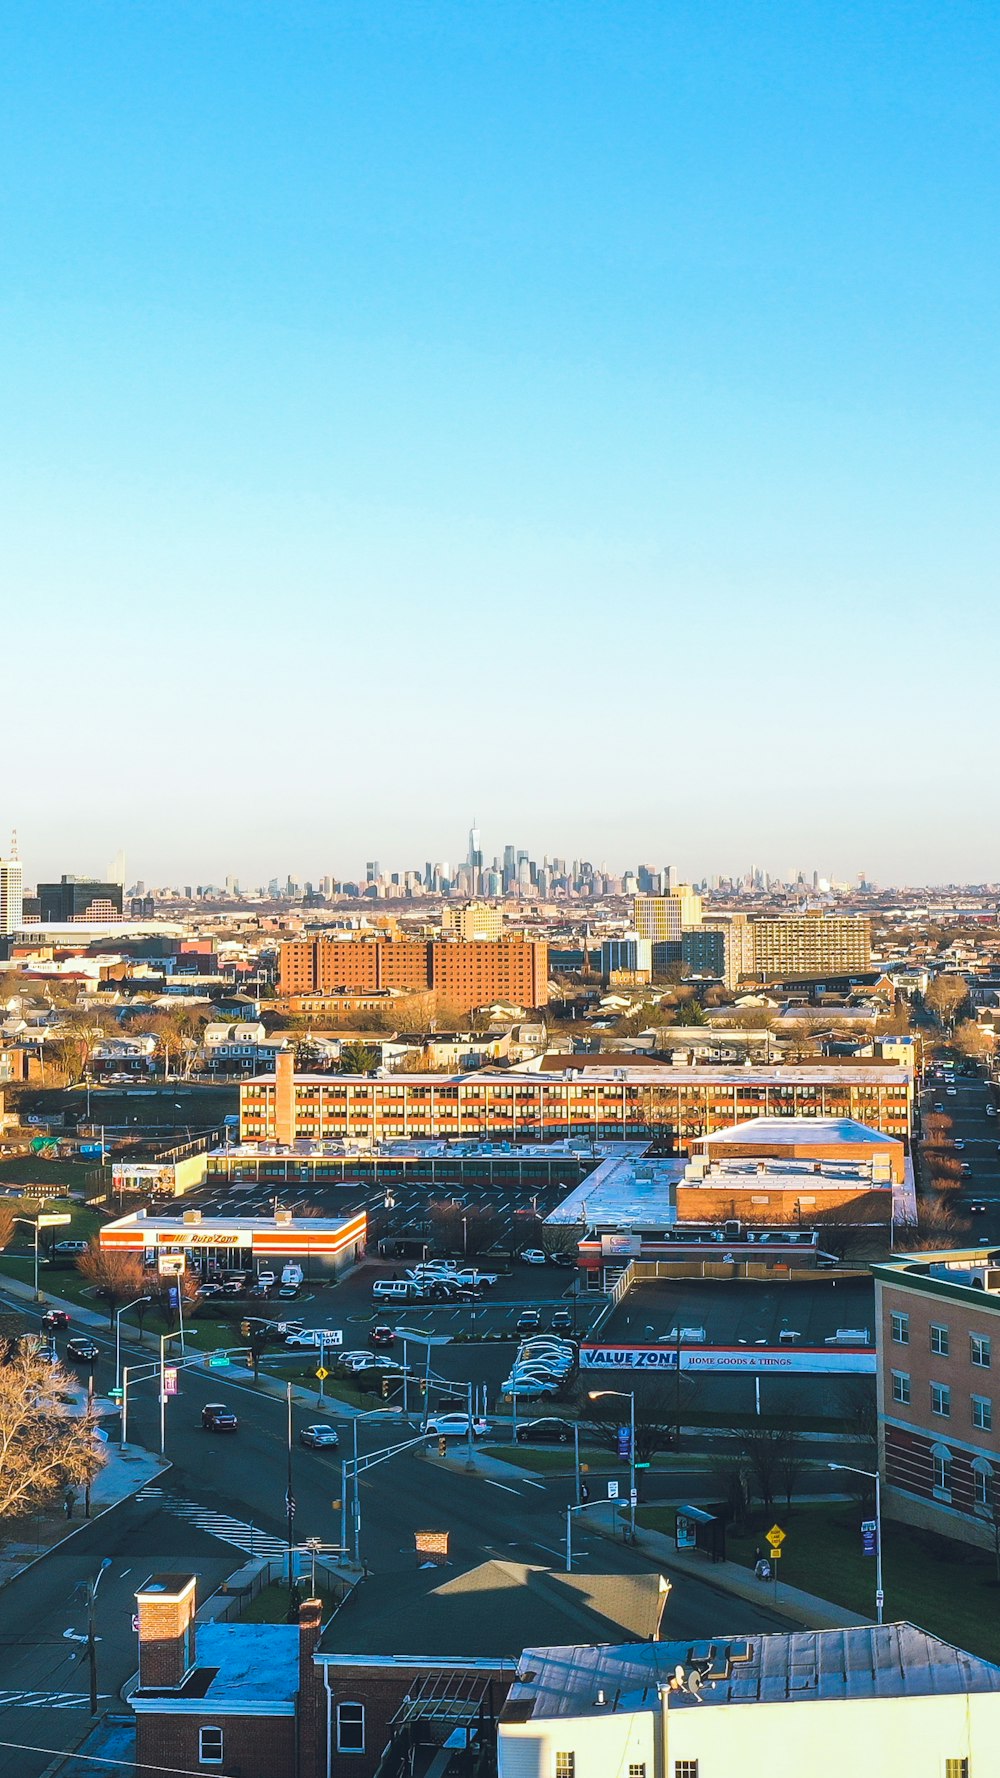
245	1330
442	1446
385	1388
423	1385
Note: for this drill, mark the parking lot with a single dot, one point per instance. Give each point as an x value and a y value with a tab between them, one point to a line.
396	1212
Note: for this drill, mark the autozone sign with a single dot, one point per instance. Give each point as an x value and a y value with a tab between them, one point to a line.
784	1360
201	1237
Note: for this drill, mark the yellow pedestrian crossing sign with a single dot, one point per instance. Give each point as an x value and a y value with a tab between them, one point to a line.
776	1537
322	1374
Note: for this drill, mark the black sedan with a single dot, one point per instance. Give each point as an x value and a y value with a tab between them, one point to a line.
545	1432
83	1351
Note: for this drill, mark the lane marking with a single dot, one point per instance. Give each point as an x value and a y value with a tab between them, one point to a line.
492	1484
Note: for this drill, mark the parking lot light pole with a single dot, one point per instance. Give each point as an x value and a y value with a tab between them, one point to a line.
118	1335
873	1476
629	1396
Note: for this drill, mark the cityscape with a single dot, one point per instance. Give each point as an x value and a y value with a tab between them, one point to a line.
499	905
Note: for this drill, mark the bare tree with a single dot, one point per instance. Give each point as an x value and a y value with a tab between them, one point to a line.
946	998
43	1447
116	1277
973	1040
660	1404
729	1479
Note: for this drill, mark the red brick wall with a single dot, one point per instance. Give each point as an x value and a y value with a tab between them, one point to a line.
253	1746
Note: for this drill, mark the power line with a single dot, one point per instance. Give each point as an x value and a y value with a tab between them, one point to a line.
94	1759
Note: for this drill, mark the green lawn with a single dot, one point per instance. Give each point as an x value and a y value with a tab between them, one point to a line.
48	1175
945	1587
271	1603
556	1460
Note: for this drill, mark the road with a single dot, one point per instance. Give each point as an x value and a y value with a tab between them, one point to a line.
964	1098
225	1497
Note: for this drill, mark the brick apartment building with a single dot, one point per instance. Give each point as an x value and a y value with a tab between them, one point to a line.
937	1327
675	1106
462	973
810	945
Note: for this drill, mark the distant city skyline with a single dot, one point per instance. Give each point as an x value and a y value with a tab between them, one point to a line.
55	861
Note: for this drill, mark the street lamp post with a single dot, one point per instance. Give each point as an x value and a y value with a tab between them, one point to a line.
289	1496
118	1335
629	1396
41	1221
873	1476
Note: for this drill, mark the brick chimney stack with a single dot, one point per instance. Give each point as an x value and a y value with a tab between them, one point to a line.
166	1607
311	1713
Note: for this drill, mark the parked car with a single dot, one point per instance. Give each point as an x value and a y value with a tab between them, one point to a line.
55	1319
209	1290
455	1426
69	1249
563	1259
528	1320
545	1432
216	1417
318	1437
527	1388
533	1256
382	1336
561	1321
83	1350
288	1292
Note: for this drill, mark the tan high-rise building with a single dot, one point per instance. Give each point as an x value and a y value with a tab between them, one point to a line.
478	919
811	945
662	918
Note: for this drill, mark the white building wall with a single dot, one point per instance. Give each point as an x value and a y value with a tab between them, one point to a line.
890	1737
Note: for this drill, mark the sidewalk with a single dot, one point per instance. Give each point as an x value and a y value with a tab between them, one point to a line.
802	1609
122	1476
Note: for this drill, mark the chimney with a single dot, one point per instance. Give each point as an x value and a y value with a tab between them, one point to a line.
284	1097
311	1713
166	1630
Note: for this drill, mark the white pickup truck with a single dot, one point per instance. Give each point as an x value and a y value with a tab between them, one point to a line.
474	1278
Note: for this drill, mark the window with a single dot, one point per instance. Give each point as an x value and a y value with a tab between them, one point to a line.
941	1460
350	1728
901	1386
210	1747
565	1765
956	1768
982	1413
637	1768
939	1339
941	1400
979	1350
685	1768
899	1327
982	1484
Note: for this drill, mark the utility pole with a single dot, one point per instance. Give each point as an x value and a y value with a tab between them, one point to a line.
92	1586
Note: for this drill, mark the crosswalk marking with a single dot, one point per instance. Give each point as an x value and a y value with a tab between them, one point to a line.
48	1700
244	1536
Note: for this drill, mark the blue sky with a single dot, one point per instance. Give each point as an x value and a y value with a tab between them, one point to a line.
580	415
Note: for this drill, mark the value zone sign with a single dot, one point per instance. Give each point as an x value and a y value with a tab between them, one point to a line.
783	1360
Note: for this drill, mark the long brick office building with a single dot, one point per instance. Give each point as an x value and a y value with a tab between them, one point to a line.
463	973
671	1105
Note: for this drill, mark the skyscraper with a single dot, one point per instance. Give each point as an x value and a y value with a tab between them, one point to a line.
11	892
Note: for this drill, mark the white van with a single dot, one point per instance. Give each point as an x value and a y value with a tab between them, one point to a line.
292	1274
393	1290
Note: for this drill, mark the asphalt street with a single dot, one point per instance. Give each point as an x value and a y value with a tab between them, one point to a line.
224	1498
964	1098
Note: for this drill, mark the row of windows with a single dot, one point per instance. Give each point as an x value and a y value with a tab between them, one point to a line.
981	1405
980	1351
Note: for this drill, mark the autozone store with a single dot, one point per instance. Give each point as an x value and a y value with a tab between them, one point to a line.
321	1246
